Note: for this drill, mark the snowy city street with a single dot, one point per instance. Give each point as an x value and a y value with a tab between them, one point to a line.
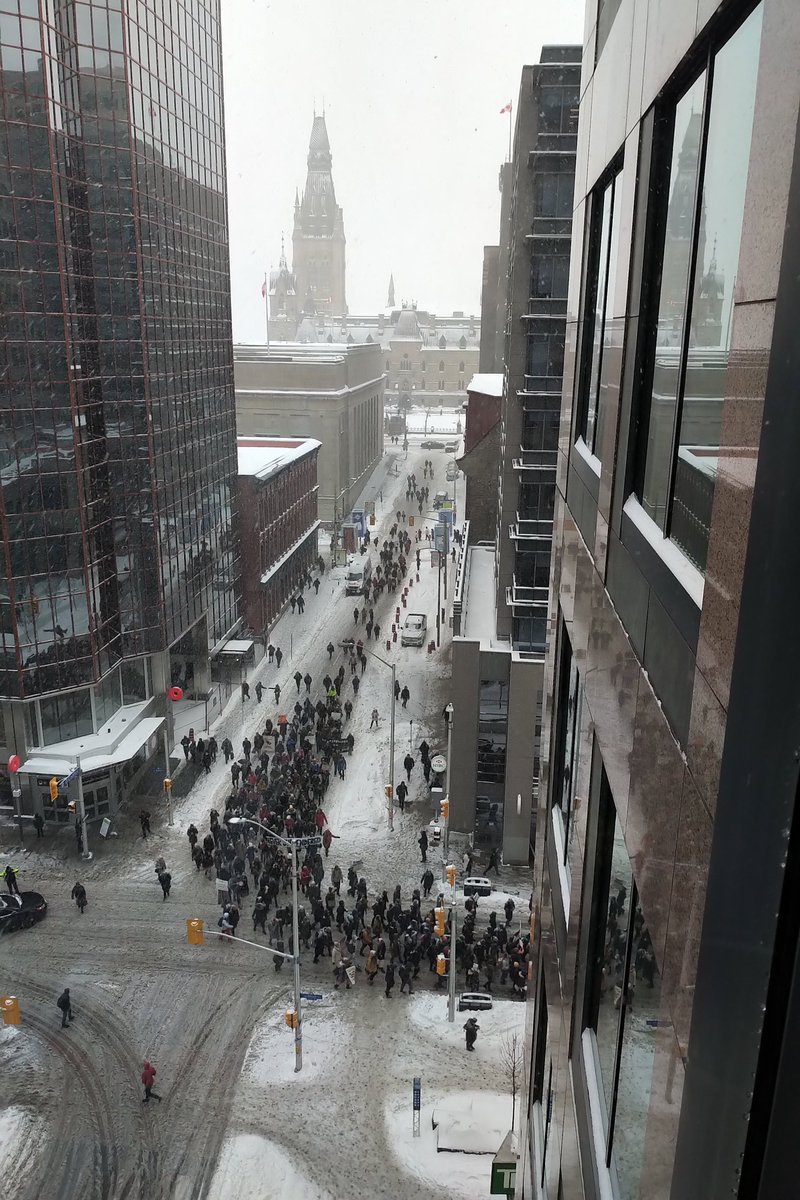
236	1121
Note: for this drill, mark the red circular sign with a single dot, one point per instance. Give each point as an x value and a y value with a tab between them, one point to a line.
14	763
175	693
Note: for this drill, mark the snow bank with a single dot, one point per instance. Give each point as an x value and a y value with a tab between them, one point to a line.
428	1016
455	1175
472	1122
251	1167
270	1055
19	1138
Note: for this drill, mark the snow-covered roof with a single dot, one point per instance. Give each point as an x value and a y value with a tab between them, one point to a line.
265	456
487	385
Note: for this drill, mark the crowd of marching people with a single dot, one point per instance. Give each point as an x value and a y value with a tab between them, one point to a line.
277	793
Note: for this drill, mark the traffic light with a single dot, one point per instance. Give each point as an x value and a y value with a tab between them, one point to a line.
445	809
441	964
451	875
291	1018
439	913
195	932
54	789
10	1009
388	791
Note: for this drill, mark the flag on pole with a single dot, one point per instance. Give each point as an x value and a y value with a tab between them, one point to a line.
507	109
264	290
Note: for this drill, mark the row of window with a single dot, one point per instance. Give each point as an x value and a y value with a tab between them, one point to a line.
697	184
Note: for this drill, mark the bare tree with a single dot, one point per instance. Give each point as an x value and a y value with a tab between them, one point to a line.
511	1062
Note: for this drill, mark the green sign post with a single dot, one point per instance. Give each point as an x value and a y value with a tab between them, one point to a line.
504	1169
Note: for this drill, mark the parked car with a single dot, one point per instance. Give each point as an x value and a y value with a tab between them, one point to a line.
451	447
18	912
451	474
414	629
477	885
474	1001
431	444
440	499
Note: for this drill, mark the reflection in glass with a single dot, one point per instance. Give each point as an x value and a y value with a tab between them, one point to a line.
69	716
642	1018
727	159
683	171
599	281
612	971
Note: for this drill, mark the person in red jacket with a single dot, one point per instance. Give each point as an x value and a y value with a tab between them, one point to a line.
148	1079
320	820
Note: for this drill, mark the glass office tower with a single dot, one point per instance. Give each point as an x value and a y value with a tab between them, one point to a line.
117	436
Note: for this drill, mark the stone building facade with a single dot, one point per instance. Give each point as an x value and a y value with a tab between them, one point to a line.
331	393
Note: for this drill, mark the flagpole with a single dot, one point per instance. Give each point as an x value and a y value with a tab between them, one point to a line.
266	303
510	114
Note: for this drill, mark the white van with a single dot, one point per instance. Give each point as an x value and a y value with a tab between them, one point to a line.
359	573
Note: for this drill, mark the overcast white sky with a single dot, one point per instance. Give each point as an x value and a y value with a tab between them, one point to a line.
412	94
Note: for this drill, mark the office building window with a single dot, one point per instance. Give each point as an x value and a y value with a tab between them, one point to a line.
492	728
549	274
700	175
553	193
69	716
623	1002
545	355
598	293
573	748
441	364
606	11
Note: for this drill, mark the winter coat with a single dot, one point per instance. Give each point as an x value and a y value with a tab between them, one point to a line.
148	1075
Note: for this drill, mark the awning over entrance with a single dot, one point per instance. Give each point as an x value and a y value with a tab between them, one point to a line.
238	647
95	752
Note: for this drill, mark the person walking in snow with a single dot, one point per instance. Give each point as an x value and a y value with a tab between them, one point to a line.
293	602
259	691
78	894
148	1079
356	615
375	718
316	587
427	882
330	648
402	792
277	691
471	1028
227	749
298	679
396	690
405	695
245	690
389	979
408	763
301	604
278	656
307	680
165	879
422	842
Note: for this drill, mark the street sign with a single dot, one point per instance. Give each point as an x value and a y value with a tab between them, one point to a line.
438	763
416	1096
311	995
67	779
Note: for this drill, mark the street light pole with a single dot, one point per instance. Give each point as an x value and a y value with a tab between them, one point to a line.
451	983
87	854
449	710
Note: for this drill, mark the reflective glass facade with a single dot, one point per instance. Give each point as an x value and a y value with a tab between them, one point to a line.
117	440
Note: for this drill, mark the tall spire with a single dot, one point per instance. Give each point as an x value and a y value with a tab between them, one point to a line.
390	301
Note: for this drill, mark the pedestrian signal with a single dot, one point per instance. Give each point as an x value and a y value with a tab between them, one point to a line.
9	1005
195	932
440	914
388	791
291	1018
72	806
441	964
168	785
54	789
445	807
451	875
